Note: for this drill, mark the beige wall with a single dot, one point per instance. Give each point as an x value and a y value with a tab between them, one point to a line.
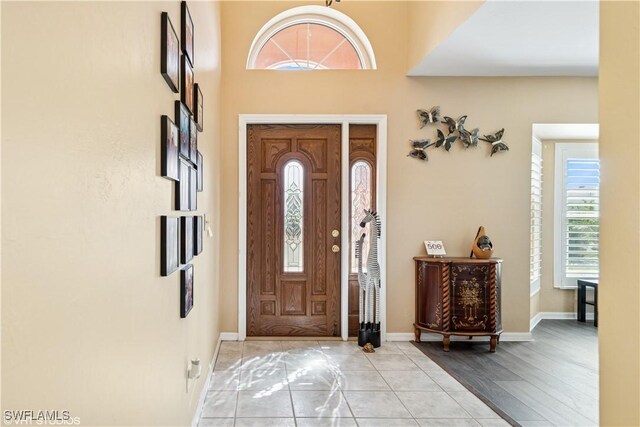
88	324
446	198
431	22
619	294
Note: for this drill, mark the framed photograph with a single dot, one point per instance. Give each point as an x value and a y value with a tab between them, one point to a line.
169	142
193	142
199	105
198	226
183	187
186	94
200	172
170	53
186	290
169	244
186	239
186	32
193	189
183	121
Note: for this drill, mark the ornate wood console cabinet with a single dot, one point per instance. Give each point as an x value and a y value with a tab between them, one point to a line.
458	296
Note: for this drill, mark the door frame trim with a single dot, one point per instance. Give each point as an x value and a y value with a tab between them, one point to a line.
381	197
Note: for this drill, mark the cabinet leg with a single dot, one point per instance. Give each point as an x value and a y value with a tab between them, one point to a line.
445	342
417	333
492	343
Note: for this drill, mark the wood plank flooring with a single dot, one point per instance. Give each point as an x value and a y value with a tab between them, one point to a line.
552	381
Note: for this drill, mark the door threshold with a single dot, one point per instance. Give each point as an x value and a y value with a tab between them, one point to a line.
320	338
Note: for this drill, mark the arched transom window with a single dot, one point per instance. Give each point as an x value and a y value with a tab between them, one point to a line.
311	38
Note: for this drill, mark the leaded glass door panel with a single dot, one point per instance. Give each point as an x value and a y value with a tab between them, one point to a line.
293	208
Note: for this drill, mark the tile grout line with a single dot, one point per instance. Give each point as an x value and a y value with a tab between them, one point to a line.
286	375
235	412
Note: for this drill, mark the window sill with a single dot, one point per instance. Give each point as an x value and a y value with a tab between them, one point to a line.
566	287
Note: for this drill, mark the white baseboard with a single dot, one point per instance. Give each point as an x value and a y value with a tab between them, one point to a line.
228	336
207	384
425	336
555	315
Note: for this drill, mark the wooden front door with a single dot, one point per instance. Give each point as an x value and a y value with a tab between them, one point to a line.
293	224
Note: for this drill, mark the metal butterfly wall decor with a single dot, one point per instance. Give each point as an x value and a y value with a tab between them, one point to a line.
455	125
496	142
469	138
429	116
456	130
446	141
419	147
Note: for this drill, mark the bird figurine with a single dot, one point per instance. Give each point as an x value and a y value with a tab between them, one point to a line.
446	141
482	247
496	142
455	125
469	138
429	116
418	149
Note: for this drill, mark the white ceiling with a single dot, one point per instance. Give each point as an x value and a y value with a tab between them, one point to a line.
520	38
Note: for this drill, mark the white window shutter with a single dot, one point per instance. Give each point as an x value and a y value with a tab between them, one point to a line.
577	213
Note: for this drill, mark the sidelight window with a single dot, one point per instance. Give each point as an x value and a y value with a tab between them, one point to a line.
361	178
293	217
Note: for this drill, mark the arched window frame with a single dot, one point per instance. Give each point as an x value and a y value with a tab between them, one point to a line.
331	18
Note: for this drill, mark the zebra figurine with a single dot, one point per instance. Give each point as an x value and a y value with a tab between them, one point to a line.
362	278
370	327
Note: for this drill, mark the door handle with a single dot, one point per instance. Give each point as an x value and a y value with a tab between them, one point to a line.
335	233
335	249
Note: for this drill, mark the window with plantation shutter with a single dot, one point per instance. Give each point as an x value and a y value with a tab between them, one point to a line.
577	209
535	255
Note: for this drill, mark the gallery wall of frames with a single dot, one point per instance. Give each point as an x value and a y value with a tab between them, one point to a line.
181	236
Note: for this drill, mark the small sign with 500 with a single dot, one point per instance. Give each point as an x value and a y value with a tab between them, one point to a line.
435	248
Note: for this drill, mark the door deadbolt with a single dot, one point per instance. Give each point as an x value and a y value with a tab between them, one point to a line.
335	233
335	248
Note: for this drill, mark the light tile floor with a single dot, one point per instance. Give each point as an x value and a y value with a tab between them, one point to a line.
334	383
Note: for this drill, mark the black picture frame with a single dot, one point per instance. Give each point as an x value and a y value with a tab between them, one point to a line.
187	32
198	101
186	87
169	245
193	142
186	290
183	187
186	239
169	53
169	136
199	166
198	228
193	189
183	121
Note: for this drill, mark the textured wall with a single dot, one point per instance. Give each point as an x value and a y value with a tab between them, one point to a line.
446	198
88	324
